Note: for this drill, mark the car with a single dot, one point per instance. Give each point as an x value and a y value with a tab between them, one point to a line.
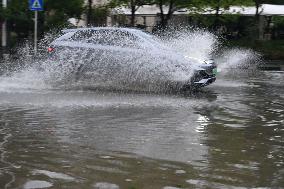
126	55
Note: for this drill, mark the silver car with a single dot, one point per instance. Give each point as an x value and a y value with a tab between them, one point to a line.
115	50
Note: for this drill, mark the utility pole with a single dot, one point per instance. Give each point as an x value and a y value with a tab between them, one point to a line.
4	27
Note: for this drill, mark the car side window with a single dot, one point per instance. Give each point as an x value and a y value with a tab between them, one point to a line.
107	37
101	37
82	36
123	39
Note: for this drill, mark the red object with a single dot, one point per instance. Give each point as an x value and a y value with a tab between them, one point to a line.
50	49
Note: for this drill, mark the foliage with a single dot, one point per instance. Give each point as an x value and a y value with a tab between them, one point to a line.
58	12
276	2
98	16
134	5
129	3
217	8
278	22
173	5
19	17
224	4
271	49
2	14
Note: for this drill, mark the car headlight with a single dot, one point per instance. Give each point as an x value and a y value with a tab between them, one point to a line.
199	61
209	61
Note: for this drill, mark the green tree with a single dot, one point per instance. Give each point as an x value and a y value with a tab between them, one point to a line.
55	15
58	12
258	4
89	12
276	2
172	5
217	6
256	25
134	5
19	18
2	14
97	15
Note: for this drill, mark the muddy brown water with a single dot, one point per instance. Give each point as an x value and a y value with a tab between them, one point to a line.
229	135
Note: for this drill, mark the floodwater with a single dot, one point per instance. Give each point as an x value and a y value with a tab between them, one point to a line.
228	135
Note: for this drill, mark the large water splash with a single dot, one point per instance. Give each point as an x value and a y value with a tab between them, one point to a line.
196	43
237	58
152	70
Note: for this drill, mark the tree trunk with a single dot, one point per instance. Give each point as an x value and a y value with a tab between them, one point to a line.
257	20
257	5
162	16
89	13
217	16
133	10
171	11
165	18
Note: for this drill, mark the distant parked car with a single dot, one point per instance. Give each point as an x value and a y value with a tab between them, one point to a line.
119	46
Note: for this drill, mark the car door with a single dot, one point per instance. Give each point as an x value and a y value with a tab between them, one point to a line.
114	55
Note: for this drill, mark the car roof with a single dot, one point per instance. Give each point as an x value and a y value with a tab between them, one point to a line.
144	35
101	28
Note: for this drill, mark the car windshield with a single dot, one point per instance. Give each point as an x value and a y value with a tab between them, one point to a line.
107	37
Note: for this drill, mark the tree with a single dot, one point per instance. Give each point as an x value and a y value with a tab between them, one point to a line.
19	18
276	2
217	6
257	28
2	14
97	15
172	5
55	15
258	4
134	5
89	12
58	12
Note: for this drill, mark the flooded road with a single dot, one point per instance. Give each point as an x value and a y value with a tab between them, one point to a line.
229	135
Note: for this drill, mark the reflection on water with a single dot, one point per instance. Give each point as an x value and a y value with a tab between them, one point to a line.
228	135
